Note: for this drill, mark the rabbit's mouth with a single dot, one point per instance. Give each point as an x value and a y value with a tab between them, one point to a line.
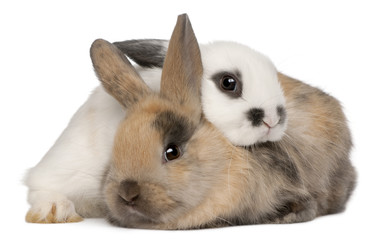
133	215
140	205
131	219
273	134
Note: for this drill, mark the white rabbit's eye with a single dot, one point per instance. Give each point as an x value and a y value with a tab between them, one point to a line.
228	83
172	152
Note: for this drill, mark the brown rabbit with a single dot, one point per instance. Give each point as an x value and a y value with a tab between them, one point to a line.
172	169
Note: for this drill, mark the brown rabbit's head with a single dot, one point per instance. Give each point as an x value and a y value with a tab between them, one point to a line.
170	168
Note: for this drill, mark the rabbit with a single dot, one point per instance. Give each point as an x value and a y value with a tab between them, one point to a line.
58	180
171	168
241	93
68	183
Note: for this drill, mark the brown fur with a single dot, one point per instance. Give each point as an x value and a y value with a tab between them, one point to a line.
107	61
213	183
182	51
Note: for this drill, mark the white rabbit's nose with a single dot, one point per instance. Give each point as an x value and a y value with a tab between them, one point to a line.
271	122
274	117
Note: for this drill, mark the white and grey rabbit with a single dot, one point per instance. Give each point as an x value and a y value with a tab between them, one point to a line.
241	96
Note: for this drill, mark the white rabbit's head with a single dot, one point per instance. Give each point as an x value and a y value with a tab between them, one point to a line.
241	93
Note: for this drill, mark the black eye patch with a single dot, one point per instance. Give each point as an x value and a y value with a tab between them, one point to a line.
229	83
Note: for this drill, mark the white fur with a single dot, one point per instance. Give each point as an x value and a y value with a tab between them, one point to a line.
261	89
72	170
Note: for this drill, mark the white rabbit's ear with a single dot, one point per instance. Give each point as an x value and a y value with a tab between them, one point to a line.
116	73
145	52
183	69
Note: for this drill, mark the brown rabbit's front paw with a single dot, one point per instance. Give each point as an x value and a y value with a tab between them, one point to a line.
298	211
303	215
295	218
61	212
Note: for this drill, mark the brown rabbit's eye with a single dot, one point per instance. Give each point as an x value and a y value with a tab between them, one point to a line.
172	152
228	83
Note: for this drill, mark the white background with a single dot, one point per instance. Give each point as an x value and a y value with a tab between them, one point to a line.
46	74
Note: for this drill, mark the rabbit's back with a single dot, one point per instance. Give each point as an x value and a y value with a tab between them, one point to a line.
318	141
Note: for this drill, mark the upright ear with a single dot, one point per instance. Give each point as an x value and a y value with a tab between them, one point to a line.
116	73
145	52
182	70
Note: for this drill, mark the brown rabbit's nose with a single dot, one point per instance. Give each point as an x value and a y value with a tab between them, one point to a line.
129	191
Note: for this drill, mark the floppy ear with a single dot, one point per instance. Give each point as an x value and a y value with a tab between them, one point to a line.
182	71
145	52
116	73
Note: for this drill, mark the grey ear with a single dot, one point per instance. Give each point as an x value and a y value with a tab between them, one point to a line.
145	52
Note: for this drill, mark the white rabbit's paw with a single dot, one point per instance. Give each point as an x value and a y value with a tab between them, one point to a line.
57	212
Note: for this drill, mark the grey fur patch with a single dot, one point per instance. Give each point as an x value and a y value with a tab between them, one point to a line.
145	52
255	115
275	159
282	113
174	128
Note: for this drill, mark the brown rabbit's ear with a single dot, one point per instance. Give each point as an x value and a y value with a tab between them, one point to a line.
116	73
182	70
